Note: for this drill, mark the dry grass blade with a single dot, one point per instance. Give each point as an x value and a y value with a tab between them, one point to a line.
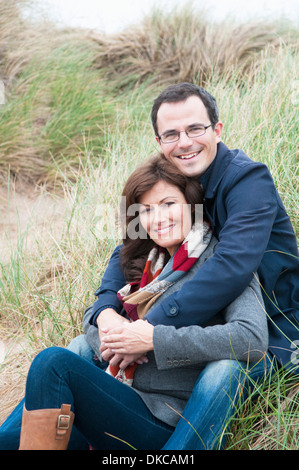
281	430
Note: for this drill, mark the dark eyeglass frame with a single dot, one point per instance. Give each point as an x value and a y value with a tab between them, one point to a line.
187	131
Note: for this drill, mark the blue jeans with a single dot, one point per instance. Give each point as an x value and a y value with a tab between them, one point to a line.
108	414
220	388
219	391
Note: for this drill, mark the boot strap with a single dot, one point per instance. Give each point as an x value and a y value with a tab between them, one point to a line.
64	421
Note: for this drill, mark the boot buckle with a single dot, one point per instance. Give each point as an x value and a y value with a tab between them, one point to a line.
63	422
63	425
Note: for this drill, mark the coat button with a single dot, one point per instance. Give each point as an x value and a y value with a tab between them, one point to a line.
173	311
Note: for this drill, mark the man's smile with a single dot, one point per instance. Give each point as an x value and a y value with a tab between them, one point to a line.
188	156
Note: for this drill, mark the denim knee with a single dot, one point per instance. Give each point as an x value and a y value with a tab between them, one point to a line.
80	346
48	362
223	370
230	375
47	357
44	378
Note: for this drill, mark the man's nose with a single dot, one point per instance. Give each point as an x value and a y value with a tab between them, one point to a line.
184	140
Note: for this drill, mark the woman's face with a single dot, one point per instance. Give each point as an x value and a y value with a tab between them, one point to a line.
165	215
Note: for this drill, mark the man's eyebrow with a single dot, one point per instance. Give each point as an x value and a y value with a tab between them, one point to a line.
169	130
190	125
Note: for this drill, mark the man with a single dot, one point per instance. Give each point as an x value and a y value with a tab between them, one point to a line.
255	235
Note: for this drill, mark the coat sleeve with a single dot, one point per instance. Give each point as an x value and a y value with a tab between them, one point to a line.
243	336
249	201
112	281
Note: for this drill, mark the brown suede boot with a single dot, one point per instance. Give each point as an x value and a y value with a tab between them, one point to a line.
48	429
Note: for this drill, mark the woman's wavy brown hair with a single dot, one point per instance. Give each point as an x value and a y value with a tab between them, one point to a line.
134	252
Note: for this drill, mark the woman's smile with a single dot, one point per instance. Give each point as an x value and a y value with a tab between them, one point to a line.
163	230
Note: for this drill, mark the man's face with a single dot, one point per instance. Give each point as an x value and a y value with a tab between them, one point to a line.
191	155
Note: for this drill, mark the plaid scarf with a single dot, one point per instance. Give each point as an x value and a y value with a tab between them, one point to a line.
156	280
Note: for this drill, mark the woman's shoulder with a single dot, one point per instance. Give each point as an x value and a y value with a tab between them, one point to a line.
210	250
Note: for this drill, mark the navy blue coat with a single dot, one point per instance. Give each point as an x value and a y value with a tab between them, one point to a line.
255	235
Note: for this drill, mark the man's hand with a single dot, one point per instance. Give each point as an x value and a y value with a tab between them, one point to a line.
108	319
130	338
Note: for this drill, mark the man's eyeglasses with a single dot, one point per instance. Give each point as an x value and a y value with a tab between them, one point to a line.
169	137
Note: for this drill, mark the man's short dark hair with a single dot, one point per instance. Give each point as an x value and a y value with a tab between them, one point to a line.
180	92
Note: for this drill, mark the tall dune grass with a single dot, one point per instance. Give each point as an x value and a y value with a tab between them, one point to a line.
52	115
61	116
56	105
184	45
62	87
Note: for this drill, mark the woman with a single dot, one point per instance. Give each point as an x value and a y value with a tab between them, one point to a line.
171	244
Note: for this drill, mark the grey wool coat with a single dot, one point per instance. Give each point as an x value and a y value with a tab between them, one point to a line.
239	332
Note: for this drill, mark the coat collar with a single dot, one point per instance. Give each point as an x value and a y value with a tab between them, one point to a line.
214	174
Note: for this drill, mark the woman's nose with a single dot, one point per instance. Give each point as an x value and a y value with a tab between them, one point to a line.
159	215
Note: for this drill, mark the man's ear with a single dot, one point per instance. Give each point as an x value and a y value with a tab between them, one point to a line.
158	140
218	130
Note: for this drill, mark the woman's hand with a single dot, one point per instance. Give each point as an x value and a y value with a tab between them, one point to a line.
129	338
122	360
107	320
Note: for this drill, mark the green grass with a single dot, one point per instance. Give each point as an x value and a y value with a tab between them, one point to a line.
69	125
53	115
269	418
